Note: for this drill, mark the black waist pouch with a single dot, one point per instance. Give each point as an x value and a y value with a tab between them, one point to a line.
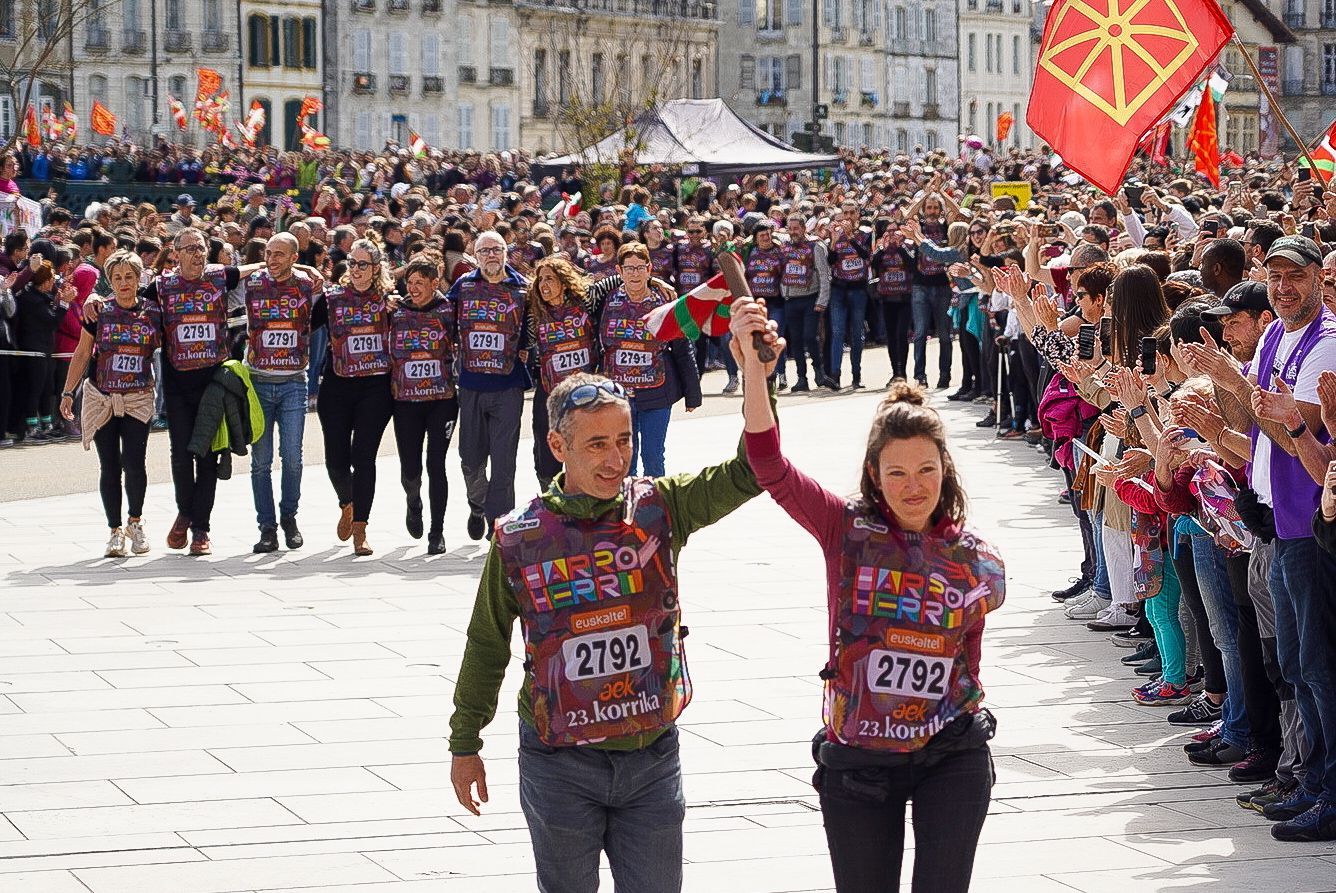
963	733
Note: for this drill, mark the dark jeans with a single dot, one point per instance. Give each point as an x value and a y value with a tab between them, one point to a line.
800	331
489	434
899	316
1303	583
864	814
1259	695
6	396
1214	667
33	391
195	478
579	801
932	309
431	422
545	465
353	415
848	312
121	445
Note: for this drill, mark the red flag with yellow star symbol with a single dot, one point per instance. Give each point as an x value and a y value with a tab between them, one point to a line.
1109	69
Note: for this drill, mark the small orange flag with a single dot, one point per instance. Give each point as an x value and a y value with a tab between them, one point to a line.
1204	140
1004	122
102	120
210	82
30	131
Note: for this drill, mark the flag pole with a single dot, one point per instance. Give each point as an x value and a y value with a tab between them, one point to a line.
1273	105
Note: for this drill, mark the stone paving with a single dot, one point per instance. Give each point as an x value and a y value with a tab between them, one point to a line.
246	723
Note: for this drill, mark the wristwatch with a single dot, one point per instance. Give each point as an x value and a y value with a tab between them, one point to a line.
69	394
1137	413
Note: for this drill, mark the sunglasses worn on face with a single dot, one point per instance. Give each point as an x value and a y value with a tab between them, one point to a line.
360	264
586	394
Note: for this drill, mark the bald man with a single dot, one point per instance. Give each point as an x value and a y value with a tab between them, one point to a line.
278	321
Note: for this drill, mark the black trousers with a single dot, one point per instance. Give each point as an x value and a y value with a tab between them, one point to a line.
969	361
1214	680
121	446
7	425
353	415
195	478
800	331
545	465
1260	700
899	317
32	387
431	422
864	814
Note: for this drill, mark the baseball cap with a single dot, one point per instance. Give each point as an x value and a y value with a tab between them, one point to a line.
185	198
1297	249
1246	295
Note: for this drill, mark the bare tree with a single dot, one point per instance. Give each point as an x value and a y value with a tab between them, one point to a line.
594	67
39	49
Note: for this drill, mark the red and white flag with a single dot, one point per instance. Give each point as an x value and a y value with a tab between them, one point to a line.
702	311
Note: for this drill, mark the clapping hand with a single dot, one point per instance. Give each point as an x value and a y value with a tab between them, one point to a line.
1277	406
1326	395
1126	387
1210	360
1329	494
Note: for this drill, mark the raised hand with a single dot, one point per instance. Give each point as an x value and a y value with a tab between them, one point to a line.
1326	395
1277	406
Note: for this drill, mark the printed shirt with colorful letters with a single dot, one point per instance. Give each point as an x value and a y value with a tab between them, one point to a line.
490	320
422	350
688	503
278	320
906	611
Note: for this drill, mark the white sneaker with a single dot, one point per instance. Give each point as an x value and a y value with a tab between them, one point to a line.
1078	602
115	544
1090	610
1115	617
138	541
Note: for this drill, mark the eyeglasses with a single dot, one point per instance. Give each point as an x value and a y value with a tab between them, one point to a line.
586	394
484	251
1082	293
978	232
360	264
191	249
635	268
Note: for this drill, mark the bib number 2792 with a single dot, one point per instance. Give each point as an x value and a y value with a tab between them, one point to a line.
908	674
605	653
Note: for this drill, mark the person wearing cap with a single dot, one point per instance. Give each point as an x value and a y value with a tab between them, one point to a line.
184	218
1276	399
255	205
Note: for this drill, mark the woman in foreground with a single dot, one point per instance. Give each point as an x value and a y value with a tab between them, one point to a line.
908	586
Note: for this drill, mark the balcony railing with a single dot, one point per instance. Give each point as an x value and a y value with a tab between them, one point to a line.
1293	87
673	9
1329	18
133	41
867	39
97	41
432	85
1295	19
771	98
397	6
993	6
900	109
868	99
930	111
431	7
364	82
364	5
501	77
398	84
177	41
216	41
839	35
906	46
468	74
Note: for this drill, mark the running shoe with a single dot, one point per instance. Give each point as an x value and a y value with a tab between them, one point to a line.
1147	687
138	540
732	386
199	544
1273	791
1318	823
1152	668
1132	638
1201	711
1257	766
477	526
115	544
1147	651
1088	610
1165	695
1080	585
1296	804
291	535
1114	617
176	537
1220	753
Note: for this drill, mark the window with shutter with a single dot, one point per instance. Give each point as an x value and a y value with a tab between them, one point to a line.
793	12
310	43
793	72
362	130
431	129
291	42
398	52
362	50
499	44
464	40
466	125
830	12
6	116
597	78
747	72
746	13
869	75
431	55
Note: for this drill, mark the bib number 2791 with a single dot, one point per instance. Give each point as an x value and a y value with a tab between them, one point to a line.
605	653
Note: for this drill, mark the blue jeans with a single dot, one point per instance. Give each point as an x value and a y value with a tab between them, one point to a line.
649	432
579	801
848	311
319	347
1101	578
1303	584
283	402
932	307
1223	614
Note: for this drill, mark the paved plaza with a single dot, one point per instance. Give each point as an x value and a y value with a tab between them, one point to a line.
278	723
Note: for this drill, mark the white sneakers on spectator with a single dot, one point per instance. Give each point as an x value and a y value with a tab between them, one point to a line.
1111	618
1086	607
115	544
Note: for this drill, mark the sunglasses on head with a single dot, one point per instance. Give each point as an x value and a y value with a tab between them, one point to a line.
586	394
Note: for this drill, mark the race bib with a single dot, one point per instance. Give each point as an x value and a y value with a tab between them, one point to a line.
364	343
487	341
196	332
633	358
605	653
689	278
128	363
795	268
422	369
279	339
908	674
894	276
572	360
851	264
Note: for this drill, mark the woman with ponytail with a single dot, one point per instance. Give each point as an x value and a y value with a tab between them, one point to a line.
907	590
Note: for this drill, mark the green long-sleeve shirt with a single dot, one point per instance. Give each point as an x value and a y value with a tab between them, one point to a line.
694	501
